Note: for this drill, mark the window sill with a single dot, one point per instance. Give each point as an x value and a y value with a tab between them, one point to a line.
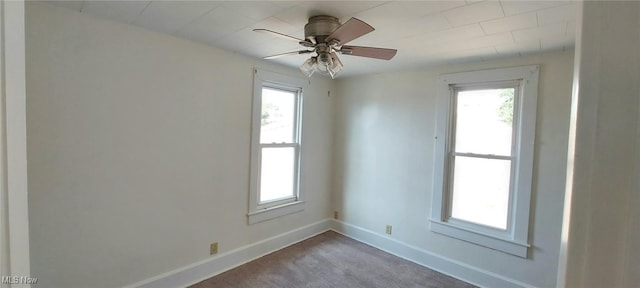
501	244
275	212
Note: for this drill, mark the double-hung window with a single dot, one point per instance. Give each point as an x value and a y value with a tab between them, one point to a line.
484	157
276	146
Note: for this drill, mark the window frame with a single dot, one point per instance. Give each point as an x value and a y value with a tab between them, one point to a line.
258	211
514	240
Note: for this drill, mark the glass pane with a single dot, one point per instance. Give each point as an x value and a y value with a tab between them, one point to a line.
277	173
278	116
481	191
483	121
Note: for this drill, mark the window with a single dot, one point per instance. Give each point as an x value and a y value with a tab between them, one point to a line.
275	146
484	157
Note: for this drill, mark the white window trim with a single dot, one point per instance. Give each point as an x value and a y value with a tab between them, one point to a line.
263	212
515	239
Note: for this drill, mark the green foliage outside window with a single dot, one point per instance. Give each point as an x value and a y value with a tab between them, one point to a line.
506	108
270	111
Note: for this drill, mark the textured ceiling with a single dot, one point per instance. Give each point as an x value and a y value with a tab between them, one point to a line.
424	32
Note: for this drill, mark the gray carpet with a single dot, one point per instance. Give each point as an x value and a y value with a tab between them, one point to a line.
331	260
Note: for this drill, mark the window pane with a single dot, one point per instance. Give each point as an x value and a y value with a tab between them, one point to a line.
483	121
278	172
481	191
278	116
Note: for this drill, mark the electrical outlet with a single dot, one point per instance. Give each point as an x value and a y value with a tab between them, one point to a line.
388	231
335	214
214	248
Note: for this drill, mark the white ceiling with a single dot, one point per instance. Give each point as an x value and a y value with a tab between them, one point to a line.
424	32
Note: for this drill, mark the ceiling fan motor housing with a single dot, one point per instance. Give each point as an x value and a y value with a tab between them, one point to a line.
319	27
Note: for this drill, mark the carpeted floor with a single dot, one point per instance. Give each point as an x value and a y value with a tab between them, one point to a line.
331	260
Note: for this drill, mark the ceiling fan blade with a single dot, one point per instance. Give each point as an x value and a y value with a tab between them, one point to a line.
371	52
287	54
283	36
352	29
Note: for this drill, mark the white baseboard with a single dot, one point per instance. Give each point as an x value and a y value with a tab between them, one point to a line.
205	269
425	258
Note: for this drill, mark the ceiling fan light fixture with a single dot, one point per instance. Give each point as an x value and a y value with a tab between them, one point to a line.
324	62
309	66
331	73
337	65
329	63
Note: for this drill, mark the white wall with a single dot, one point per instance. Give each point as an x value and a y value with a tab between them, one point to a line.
601	246
383	170
138	150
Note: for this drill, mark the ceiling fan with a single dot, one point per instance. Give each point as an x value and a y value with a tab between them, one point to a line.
325	36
